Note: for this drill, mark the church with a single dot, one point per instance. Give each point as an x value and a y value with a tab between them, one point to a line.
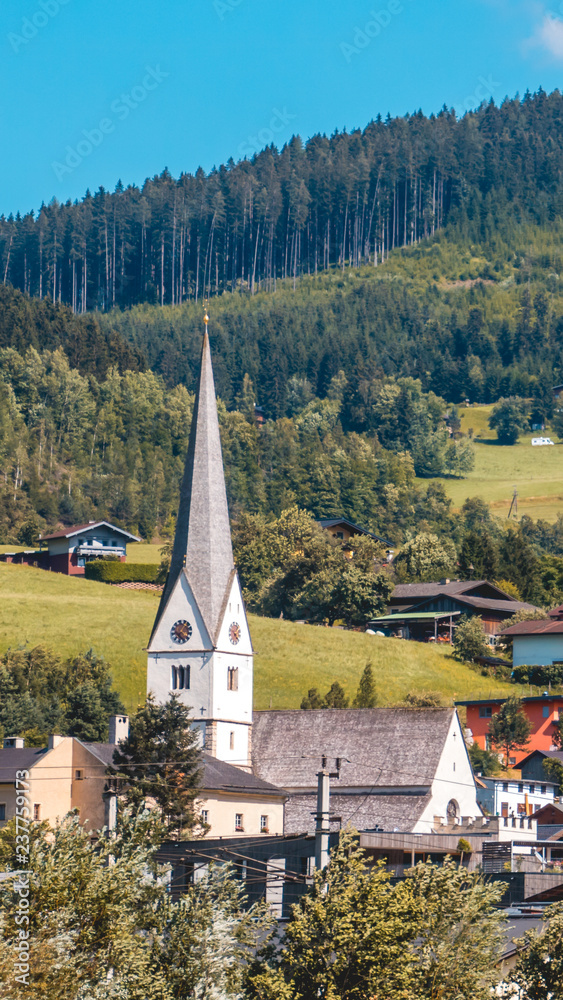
200	647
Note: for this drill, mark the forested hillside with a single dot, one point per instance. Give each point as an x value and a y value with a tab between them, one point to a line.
469	319
418	264
339	201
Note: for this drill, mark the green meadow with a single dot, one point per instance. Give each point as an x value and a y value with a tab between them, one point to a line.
73	615
537	473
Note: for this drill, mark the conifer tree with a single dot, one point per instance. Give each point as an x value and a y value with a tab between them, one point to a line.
161	760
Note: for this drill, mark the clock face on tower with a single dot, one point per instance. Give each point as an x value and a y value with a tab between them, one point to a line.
181	631
234	632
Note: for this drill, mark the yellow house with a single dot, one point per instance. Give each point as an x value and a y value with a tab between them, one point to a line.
71	775
64	775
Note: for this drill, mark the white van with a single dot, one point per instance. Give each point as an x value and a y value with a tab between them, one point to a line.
536	442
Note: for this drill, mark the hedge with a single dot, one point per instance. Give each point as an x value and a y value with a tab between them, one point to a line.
109	571
539	676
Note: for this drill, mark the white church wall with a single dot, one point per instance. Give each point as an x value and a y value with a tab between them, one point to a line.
235	615
453	782
181	607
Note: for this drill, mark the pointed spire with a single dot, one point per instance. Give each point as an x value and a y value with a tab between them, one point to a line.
202	543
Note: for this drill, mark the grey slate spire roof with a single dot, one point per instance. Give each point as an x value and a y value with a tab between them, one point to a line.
203	535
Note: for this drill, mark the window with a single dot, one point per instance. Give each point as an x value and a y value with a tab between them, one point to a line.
544	789
339	534
239	828
521	808
520	788
2	811
532	789
180	678
36	812
263	824
232	679
485	711
504	809
205	817
114	544
231	740
505	786
546	712
512	761
78	775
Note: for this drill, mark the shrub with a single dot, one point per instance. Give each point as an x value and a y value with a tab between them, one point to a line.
108	571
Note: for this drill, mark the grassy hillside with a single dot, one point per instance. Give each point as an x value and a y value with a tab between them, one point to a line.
70	616
537	473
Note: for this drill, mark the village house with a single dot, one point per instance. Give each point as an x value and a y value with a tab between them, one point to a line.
542	711
343	530
512	796
71	775
421	603
67	551
537	643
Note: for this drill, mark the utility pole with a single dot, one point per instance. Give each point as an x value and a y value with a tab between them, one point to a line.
322	829
514	505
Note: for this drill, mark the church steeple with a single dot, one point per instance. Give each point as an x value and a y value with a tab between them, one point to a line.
200	647
202	542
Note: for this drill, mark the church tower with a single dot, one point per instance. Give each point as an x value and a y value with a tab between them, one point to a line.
200	645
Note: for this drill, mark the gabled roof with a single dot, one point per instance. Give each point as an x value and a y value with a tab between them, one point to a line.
220	776
550	754
549	626
332	522
202	543
509	606
217	774
453	588
77	529
363	812
12	760
379	747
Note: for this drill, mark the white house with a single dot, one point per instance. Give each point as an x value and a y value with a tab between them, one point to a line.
513	797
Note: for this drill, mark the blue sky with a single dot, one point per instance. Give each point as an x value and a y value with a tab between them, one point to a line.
100	91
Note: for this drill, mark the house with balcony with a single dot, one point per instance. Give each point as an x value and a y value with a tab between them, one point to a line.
69	550
512	796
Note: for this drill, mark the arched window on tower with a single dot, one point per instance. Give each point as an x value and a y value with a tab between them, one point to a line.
180	678
232	679
174	678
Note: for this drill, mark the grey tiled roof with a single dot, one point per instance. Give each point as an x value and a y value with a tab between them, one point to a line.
418	590
220	776
203	536
379	747
103	751
12	760
363	811
217	774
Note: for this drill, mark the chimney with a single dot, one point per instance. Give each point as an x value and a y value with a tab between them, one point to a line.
13	743
118	728
54	741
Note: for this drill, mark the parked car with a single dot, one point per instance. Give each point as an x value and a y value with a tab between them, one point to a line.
539	441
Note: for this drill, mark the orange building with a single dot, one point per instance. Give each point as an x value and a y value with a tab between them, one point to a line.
542	711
